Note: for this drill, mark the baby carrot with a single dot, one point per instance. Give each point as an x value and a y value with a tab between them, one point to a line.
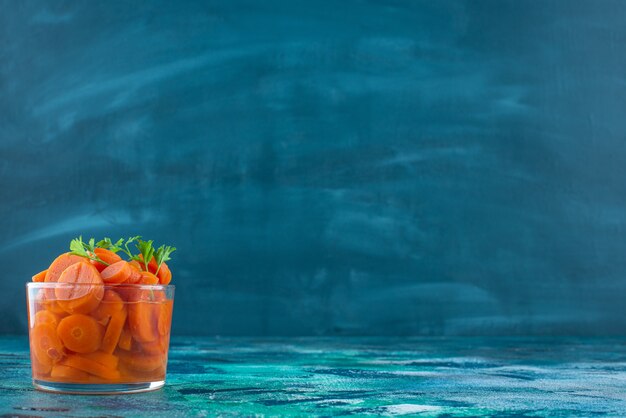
80	333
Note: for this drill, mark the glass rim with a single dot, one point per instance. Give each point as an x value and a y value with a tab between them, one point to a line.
57	285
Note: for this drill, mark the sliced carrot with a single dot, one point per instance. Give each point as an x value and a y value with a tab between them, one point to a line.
164	321
80	333
148	278
142	362
114	331
111	303
106	359
57	267
46	345
40	277
116	273
142	318
91	366
67	373
126	339
159	346
165	274
88	292
152	265
105	255
39	368
135	277
46	317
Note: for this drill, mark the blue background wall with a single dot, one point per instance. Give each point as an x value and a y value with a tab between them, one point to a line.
327	167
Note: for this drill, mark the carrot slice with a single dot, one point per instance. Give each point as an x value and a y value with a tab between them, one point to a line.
111	303
80	333
38	367
46	344
116	273
105	255
152	265
88	293
57	267
142	362
62	372
165	274
114	331
106	359
135	277
40	277
46	317
159	346
148	278
142	319
164	321
126	339
91	366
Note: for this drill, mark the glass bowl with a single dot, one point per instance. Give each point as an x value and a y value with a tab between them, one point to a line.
99	339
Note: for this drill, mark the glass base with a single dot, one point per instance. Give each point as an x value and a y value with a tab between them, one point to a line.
96	388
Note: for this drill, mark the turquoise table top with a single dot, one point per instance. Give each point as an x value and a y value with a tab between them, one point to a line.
352	376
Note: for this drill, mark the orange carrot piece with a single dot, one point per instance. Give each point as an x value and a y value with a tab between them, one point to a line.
61	263
46	317
105	255
57	267
116	273
126	339
38	367
91	366
46	345
142	362
114	331
40	277
111	303
164	321
67	373
152	265
106	359
88	293
142	319
165	274
148	278
80	333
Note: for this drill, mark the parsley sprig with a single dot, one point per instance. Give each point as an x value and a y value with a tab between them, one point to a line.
146	250
86	249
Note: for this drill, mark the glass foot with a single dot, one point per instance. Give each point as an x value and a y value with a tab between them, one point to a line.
96	388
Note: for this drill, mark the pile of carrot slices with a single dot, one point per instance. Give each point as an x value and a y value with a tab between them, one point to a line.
95	325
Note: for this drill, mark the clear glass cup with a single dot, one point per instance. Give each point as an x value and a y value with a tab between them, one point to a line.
99	339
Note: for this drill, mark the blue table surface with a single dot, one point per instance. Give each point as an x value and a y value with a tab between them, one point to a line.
352	376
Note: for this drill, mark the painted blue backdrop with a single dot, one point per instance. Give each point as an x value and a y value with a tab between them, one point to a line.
387	167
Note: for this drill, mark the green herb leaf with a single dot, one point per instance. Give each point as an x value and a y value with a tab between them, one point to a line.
162	254
147	251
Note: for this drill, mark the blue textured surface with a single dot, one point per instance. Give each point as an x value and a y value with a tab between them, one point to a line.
347	376
385	167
